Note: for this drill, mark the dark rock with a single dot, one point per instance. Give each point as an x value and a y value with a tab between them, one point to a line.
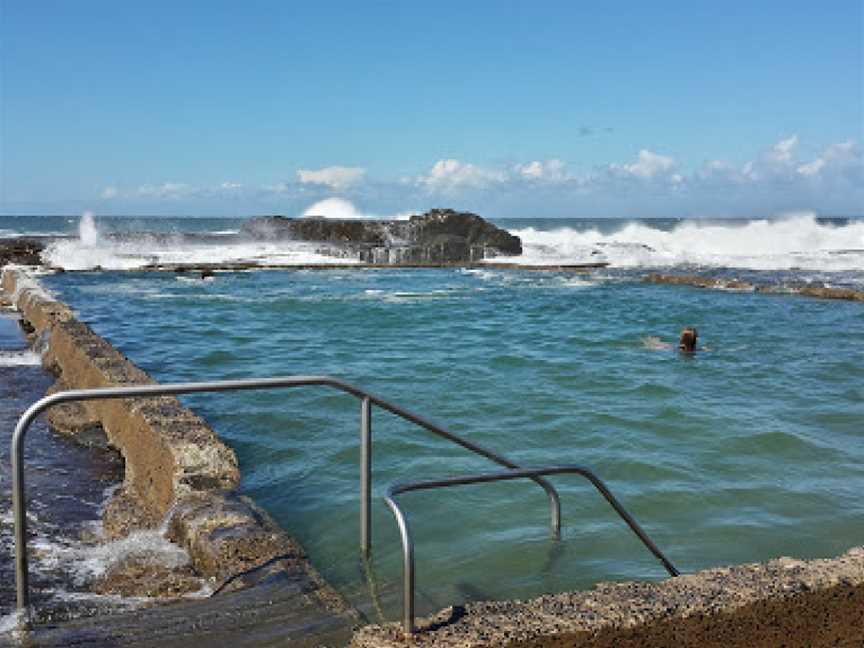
439	236
21	251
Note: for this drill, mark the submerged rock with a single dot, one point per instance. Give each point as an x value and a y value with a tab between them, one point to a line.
701	282
438	236
818	291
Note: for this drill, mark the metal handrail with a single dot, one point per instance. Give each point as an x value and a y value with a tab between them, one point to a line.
530	473
145	391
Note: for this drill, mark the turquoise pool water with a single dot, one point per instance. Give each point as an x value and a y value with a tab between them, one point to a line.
750	450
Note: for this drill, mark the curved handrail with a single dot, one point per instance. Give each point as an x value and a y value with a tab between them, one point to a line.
530	473
153	390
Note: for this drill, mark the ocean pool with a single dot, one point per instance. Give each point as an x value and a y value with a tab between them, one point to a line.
750	450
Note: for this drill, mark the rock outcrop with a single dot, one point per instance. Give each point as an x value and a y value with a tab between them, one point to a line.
439	236
712	283
21	251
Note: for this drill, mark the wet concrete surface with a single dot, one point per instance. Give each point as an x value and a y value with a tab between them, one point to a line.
278	613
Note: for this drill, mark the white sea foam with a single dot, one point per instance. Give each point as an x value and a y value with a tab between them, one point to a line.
25	358
91	250
793	241
342	209
9	623
577	282
87	232
86	562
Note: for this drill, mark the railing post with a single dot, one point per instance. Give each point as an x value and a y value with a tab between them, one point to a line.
407	566
22	575
365	476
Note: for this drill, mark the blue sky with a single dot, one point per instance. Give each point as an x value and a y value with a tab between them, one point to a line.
505	108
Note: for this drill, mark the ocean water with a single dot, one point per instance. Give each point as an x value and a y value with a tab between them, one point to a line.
747	450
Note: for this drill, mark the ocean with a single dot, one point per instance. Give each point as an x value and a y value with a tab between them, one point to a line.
749	449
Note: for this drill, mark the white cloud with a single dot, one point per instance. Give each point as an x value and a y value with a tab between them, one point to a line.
844	151
278	188
648	165
841	154
829	179
783	151
167	190
553	170
452	174
777	161
812	168
335	177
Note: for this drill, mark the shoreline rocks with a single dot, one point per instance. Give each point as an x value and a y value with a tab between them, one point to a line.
711	283
21	251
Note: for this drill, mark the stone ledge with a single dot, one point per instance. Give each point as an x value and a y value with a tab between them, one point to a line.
784	602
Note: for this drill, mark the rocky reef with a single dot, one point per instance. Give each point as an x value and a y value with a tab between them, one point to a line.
818	291
440	236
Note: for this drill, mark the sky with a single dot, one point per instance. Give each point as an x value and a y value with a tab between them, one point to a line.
508	109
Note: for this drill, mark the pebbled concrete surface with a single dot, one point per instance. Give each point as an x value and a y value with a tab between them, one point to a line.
784	602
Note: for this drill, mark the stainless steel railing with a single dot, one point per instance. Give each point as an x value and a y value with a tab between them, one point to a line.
146	391
529	473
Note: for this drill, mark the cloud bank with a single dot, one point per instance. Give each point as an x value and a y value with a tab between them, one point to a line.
651	183
335	177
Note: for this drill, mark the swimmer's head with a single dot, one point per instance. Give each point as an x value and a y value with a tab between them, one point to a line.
688	339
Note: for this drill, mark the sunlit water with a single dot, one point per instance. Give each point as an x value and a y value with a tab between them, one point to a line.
750	450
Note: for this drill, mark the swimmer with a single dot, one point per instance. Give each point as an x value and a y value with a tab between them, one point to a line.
687	343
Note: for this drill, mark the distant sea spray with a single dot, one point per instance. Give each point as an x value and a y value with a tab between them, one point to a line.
796	241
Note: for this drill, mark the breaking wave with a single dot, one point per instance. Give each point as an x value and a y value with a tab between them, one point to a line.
92	249
794	241
798	241
342	209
